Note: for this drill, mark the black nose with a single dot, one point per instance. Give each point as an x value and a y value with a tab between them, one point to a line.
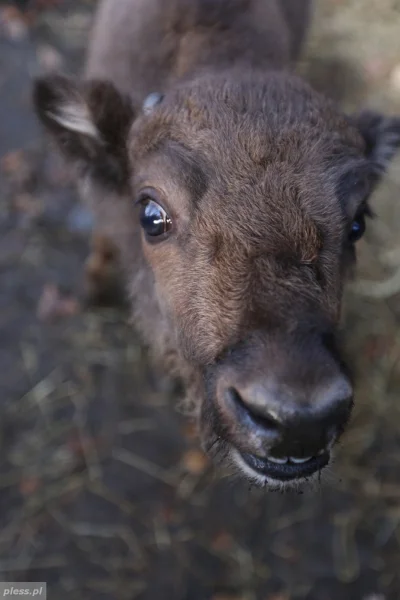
282	431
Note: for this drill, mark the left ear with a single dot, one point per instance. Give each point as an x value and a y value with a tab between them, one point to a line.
382	138
89	121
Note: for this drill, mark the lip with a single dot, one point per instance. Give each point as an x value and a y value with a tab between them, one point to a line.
288	471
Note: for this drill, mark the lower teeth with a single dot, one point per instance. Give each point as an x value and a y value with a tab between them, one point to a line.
299	461
278	461
291	459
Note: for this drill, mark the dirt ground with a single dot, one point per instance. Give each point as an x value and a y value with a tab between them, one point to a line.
103	492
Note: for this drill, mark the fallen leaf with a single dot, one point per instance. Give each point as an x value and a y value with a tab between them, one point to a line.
17	168
167	514
53	305
190	431
12	162
195	462
49	58
222	542
29	485
27	204
12	23
377	346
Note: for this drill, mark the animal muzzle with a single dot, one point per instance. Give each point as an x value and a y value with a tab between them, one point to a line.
281	405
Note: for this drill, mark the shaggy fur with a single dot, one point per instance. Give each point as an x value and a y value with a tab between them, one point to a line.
261	177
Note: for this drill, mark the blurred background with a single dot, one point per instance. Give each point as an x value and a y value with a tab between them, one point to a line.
103	491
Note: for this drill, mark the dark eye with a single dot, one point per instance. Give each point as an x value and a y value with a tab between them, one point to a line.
357	228
153	218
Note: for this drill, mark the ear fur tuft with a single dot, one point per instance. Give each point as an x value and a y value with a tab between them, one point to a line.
89	121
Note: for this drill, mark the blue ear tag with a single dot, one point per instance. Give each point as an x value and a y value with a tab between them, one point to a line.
151	101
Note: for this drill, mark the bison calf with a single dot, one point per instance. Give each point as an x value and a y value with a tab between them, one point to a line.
232	195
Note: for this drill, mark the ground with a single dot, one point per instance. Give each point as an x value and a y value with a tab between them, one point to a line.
103	491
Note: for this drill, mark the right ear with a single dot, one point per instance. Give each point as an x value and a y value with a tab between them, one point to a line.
89	121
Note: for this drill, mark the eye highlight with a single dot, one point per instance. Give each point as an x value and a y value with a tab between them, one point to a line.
153	218
357	228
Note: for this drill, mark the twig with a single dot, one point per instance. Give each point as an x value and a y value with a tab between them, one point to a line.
143	465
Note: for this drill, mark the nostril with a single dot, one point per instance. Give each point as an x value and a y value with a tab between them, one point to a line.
239	425
261	417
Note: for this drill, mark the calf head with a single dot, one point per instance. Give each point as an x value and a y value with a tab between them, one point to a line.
244	194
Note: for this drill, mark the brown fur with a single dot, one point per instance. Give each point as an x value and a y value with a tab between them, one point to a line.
261	176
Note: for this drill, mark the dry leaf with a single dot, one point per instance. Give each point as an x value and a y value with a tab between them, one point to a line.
18	169
190	431
12	23
27	204
195	462
222	542
49	58
29	485
53	305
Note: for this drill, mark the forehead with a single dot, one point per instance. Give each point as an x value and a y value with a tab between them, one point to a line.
236	116
261	143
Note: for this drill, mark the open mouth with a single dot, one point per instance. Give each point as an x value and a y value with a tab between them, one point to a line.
287	469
